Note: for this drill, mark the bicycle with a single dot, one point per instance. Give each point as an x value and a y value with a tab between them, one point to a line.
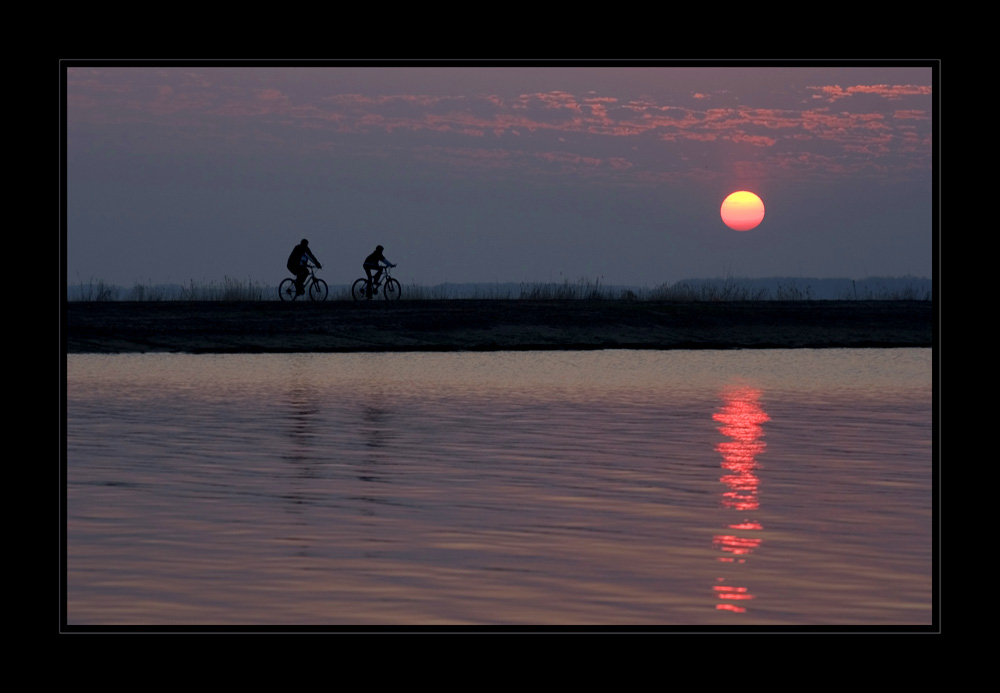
365	290
315	287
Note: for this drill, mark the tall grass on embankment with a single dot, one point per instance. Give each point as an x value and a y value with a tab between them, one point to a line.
229	289
720	289
584	289
96	290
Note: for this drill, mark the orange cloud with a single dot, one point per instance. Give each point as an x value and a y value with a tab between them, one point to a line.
593	133
890	91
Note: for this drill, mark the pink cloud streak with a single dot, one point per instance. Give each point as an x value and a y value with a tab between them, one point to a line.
577	133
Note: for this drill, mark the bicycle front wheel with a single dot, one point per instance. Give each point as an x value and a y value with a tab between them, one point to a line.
358	291
286	290
392	290
318	290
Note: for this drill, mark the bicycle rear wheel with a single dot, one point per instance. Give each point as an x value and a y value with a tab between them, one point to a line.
286	290
393	290
318	290
358	291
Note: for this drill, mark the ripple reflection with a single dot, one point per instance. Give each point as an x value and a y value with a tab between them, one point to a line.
741	419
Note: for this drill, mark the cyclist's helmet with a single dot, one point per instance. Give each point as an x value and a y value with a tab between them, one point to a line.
378	247
305	242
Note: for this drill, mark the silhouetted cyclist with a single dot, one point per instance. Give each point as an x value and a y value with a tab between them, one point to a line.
374	262
298	264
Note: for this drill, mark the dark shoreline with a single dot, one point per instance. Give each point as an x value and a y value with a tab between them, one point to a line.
490	325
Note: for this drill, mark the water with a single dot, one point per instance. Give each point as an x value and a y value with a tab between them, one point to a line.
608	488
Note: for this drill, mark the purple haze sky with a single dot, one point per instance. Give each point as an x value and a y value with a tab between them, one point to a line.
494	174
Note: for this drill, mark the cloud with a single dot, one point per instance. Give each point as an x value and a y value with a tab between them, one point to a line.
311	115
833	93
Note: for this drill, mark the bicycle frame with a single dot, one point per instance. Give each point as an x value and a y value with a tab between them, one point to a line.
383	279
311	279
314	287
369	287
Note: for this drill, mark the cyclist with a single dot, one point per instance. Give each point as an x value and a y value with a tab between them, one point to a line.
375	262
298	263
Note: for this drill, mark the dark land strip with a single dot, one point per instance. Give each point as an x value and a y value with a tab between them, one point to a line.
490	325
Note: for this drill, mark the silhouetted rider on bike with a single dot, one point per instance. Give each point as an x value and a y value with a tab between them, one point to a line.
298	263
374	262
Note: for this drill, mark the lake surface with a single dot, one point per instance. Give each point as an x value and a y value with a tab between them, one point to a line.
598	488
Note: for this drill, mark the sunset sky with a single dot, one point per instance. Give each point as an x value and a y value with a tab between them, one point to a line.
196	172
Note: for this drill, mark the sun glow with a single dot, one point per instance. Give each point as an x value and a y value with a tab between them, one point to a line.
742	211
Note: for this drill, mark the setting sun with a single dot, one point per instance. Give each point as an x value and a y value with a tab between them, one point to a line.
742	211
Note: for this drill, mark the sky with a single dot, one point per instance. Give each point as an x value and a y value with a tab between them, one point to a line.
201	172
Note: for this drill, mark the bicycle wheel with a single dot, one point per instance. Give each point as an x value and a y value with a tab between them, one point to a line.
318	290
392	290
359	289
286	290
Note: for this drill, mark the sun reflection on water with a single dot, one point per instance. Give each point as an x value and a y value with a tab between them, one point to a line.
741	419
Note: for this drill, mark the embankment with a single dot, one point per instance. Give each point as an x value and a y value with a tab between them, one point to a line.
484	325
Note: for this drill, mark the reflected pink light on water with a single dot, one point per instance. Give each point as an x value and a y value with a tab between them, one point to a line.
741	418
730	597
735	545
